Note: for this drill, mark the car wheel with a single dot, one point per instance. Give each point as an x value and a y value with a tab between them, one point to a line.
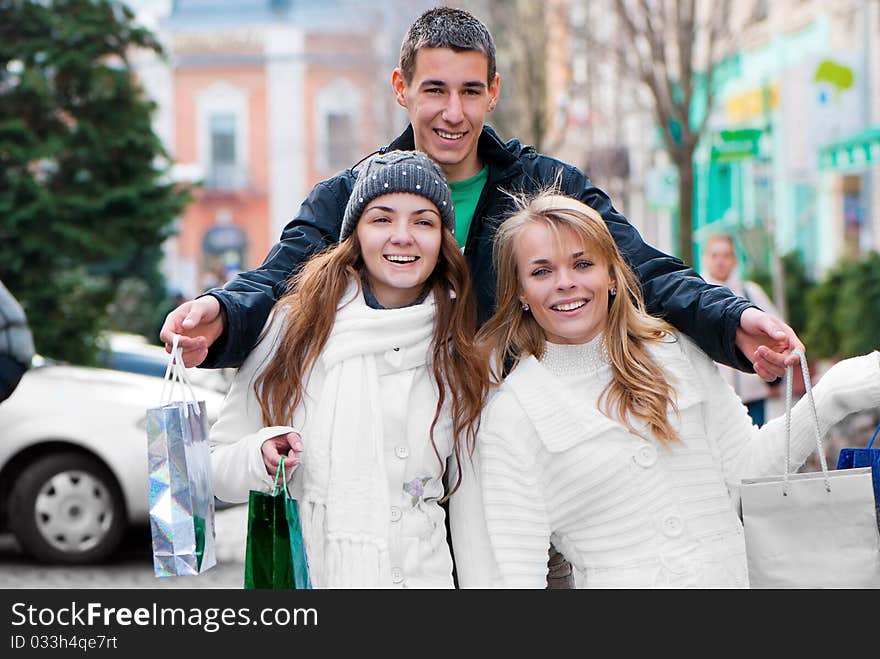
67	508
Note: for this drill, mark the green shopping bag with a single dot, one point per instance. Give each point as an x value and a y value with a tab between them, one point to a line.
276	555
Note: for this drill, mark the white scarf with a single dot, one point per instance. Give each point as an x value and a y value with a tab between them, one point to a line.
345	500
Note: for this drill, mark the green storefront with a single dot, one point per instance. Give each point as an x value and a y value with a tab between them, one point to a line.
759	172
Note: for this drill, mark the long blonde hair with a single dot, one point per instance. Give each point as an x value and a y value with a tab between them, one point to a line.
638	389
311	301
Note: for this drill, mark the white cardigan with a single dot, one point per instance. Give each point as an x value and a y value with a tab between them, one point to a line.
627	512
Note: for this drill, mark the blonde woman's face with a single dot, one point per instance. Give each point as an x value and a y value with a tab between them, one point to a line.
565	286
400	236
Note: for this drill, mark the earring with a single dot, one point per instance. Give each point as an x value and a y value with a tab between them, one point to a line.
525	306
613	291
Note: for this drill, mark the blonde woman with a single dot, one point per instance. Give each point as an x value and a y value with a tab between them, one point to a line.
367	380
612	434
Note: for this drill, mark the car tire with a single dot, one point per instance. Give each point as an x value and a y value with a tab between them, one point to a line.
66	508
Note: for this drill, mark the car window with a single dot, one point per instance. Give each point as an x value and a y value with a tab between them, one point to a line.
133	363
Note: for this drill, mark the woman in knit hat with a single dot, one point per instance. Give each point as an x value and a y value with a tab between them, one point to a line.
366	381
612	433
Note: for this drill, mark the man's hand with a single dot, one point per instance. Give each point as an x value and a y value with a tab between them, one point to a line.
198	323
289	446
767	342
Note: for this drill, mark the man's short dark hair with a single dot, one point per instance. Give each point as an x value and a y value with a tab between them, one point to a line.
446	27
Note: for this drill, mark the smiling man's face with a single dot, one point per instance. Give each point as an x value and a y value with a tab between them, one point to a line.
447	101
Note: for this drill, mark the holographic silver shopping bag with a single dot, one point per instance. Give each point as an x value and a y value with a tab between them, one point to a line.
181	493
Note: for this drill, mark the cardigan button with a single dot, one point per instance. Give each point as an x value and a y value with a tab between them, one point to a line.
396	514
646	456
401	452
673	526
396	575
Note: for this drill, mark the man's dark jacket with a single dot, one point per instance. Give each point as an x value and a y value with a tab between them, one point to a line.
708	314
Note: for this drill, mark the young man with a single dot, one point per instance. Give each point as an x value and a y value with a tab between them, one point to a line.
448	84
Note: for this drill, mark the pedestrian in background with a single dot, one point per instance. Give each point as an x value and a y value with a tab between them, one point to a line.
720	266
16	343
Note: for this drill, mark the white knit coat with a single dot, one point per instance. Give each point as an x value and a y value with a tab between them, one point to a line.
625	511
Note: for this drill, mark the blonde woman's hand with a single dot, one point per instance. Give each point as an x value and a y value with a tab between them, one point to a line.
288	445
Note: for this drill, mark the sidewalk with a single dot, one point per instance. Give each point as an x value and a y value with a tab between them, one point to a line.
133	568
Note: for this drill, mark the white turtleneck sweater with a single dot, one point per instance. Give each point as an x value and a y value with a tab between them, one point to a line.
627	511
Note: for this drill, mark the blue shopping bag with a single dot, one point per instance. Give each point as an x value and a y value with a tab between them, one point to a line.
851	458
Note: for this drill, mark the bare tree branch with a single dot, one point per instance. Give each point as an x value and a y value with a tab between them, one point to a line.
673	46
686	37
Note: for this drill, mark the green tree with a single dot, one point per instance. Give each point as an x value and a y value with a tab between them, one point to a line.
844	310
858	308
821	337
85	198
797	287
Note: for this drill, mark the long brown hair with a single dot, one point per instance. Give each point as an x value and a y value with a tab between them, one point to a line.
310	305
638	388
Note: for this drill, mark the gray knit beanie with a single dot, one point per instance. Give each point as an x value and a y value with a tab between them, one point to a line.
397	171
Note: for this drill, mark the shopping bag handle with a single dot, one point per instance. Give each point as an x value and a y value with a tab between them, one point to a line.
874	436
278	482
175	373
789	377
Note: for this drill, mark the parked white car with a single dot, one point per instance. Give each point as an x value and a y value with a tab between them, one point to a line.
73	459
134	354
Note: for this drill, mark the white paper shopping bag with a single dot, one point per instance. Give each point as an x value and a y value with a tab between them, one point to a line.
811	530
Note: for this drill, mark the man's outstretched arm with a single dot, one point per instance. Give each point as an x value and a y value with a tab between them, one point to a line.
221	327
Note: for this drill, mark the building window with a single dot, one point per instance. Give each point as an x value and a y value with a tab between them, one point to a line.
223	140
338	111
223	169
340	141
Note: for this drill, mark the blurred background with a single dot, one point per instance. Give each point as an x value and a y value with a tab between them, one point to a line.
152	149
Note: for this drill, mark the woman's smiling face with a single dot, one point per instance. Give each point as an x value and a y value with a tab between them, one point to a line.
564	282
399	235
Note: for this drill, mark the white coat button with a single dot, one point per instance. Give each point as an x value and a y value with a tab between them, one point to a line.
401	452
646	456
395	514
673	526
396	575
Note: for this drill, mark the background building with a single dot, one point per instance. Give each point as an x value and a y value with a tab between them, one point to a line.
792	158
258	101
